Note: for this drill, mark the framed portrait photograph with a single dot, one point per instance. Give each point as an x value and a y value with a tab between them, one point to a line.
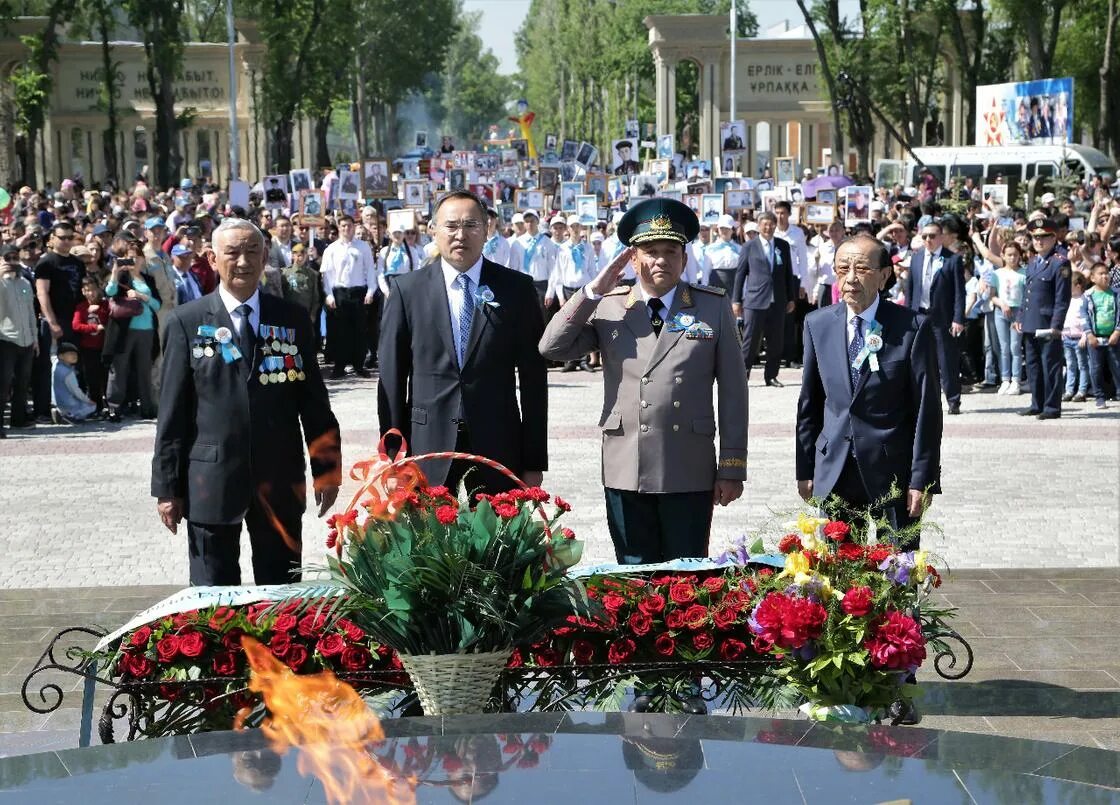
509	158
404	218
661	169
733	137
819	213
643	185
547	178
421	139
312	207
457	179
693	202
349	184
764	184
665	146
857	204
796	194
633	130
698	169
484	190
586	155
529	200
275	191
736	199
587	208
487	163
711	208
376	179
551	140
597	183
568	150
769	198
616	190
995	194
673	194
505	212
415	193
827	196
785	170
301	180
521	147
463	159
569	192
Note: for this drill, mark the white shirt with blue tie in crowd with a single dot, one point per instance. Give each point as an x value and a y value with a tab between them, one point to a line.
461	302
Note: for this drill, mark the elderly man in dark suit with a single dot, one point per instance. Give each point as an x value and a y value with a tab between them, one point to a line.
239	382
458	340
936	287
869	413
765	293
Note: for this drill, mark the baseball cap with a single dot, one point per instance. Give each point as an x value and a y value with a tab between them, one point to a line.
517	218
725	222
65	347
11	248
180	250
558	219
152	223
186	184
527	213
573	220
877	206
596	236
80	252
1047	198
750	226
101	229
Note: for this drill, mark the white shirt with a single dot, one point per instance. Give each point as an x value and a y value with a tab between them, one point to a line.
723	254
612	247
400	263
826	262
667	299
455	298
567	273
232	303
543	258
496	249
798	253
866	317
698	265
348	265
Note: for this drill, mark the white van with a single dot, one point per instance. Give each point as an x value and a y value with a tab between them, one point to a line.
1015	164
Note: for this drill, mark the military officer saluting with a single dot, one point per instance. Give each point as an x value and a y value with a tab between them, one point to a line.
1041	317
664	343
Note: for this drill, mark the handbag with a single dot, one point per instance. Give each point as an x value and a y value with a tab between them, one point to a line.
125	308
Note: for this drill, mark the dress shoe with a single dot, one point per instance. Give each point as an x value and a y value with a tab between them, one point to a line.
115	416
570	366
1079	397
1067	396
642	703
1029	412
1050	415
584	366
338	374
905	713
954	408
3	434
694	706
776	383
361	372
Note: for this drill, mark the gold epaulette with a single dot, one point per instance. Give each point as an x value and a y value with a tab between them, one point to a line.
708	289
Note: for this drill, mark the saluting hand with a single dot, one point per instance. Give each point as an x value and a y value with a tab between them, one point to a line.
610	276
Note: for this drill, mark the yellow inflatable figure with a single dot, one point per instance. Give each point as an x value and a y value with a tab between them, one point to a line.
525	119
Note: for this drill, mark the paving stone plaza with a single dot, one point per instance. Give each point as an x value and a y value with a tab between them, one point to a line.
1029	522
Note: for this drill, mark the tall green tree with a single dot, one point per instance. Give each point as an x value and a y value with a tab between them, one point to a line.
473	93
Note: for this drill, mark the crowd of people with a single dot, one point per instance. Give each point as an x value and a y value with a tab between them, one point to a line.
90	278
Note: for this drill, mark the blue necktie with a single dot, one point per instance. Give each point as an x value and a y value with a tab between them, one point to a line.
854	349
466	313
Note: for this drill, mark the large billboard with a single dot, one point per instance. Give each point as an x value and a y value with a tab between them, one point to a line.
1026	113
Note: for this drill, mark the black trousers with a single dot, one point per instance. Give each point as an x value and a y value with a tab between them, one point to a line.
350	327
41	372
373	323
96	375
1044	361
722	278
853	504
770	322
647	528
478	477
795	331
215	550
15	375
949	361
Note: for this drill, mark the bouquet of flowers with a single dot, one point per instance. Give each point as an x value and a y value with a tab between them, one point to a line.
841	619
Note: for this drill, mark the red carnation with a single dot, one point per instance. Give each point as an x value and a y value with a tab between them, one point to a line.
790	543
613	602
702	641
896	643
724	617
932	571
732	649
696	616
850	552
280	644
438	492
788	622
297	656
675	619
331	645
665	645
640	623
536	494
876	555
857	601
567	533
355	658
682	592
653	604
562	504
583	651
225	663
620	651
191	644
167	648
837	530
507	511
713	584
766	573
284	622
446	515
139	638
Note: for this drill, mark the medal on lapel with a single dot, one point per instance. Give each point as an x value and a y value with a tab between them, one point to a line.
872	343
223	336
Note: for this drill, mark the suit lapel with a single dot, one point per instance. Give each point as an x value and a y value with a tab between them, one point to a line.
440	310
836	344
682	300
482	312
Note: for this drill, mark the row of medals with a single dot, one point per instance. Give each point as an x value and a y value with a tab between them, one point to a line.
276	347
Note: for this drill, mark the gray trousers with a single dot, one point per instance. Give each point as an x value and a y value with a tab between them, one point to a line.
135	357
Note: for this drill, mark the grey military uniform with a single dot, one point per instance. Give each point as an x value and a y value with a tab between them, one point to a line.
658	421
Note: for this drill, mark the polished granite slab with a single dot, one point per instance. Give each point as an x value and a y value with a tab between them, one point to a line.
593	758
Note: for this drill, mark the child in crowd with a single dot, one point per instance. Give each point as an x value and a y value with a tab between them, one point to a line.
90	319
1102	330
71	403
1074	344
1009	297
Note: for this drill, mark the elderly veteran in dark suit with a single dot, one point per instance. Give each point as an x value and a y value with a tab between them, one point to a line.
664	344
869	414
240	395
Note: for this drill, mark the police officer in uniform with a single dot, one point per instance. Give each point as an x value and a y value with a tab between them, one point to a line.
664	343
1041	317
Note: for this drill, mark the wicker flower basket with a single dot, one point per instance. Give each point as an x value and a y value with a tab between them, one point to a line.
455	684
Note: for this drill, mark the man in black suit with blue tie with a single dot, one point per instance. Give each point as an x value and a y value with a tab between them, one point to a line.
765	294
458	342
869	414
240	395
936	288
